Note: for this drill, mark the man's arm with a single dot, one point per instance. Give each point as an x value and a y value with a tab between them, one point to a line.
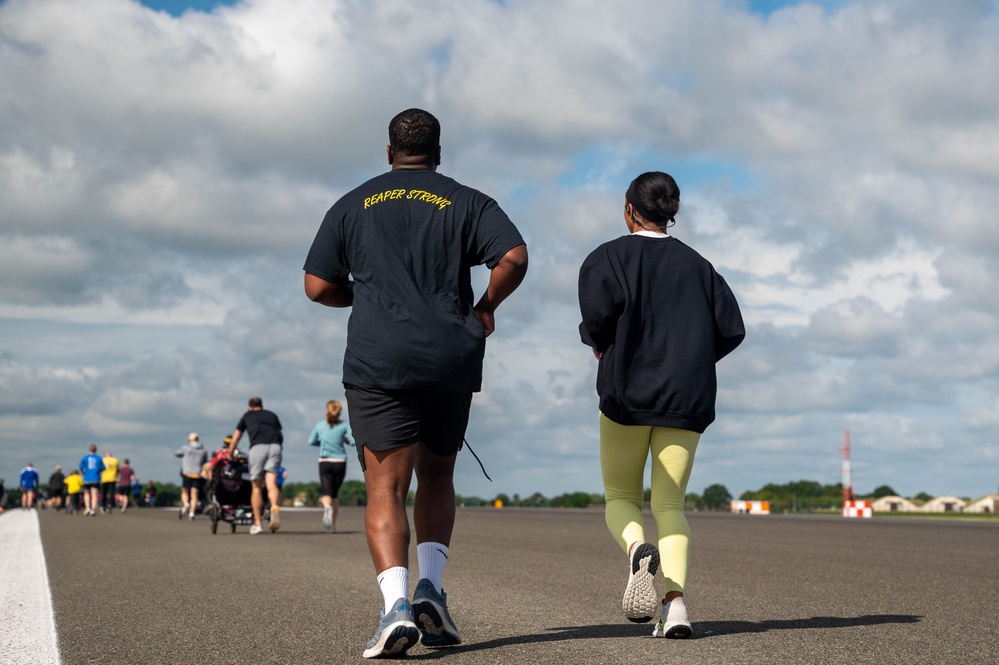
235	440
331	294
504	279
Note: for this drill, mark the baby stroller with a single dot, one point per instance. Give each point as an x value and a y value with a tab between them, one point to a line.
229	491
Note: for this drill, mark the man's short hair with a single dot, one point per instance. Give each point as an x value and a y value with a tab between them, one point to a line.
414	133
256	403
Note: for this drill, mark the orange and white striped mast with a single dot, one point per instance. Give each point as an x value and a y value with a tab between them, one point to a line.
848	494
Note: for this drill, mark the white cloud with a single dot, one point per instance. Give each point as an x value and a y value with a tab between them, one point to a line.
161	179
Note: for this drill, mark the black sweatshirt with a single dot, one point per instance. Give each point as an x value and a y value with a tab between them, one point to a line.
662	317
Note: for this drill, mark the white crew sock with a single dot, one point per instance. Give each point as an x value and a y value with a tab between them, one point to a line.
432	558
394	584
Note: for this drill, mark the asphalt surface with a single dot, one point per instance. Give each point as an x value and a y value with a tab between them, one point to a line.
526	586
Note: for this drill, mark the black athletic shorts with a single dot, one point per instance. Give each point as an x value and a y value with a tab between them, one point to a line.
387	419
188	483
331	475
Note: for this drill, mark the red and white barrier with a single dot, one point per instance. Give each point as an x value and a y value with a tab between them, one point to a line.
857	509
750	507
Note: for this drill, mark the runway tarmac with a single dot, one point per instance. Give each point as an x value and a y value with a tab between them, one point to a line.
525	586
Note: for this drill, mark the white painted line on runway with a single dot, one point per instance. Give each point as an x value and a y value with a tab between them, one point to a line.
27	631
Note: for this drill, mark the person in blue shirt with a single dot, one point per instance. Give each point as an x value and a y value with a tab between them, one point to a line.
29	486
282	476
331	435
91	466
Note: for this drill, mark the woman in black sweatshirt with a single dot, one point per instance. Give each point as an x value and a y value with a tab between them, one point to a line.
657	317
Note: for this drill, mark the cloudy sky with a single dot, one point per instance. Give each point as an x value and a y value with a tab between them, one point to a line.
165	165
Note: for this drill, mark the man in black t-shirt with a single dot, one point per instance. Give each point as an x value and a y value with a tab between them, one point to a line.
408	239
264	431
56	488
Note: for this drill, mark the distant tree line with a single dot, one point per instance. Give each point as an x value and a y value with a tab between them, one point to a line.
536	500
809	495
800	496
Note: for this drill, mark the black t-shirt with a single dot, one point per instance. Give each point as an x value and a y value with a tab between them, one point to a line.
56	481
409	238
262	426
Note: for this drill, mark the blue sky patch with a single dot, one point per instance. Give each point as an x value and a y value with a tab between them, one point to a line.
178	7
767	7
607	166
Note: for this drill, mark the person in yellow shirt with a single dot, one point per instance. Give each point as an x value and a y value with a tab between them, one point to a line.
74	485
109	481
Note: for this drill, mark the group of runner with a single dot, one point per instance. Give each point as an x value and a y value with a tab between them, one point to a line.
398	250
98	485
197	466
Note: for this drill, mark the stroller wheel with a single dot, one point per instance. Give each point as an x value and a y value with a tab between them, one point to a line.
233	525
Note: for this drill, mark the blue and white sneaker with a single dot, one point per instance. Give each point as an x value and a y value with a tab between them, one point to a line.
641	602
396	632
430	609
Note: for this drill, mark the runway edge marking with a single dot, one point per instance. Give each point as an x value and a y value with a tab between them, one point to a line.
28	635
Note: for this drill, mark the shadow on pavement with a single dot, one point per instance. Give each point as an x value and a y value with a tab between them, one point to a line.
702	630
243	531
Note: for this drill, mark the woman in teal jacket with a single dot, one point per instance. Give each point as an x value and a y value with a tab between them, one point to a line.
331	435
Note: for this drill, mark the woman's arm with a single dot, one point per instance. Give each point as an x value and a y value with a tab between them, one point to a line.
600	307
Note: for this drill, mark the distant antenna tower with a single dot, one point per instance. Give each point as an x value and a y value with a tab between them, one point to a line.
848	494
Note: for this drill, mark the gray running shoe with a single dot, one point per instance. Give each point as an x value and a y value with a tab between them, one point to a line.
673	620
432	616
396	632
328	518
641	601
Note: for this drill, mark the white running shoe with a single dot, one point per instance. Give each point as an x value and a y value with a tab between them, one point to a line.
640	600
328	518
275	519
674	623
255	529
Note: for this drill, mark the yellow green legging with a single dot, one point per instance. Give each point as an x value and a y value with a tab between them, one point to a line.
623	451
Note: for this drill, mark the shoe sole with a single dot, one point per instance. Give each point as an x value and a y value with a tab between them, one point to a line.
641	602
437	630
678	632
275	522
395	640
